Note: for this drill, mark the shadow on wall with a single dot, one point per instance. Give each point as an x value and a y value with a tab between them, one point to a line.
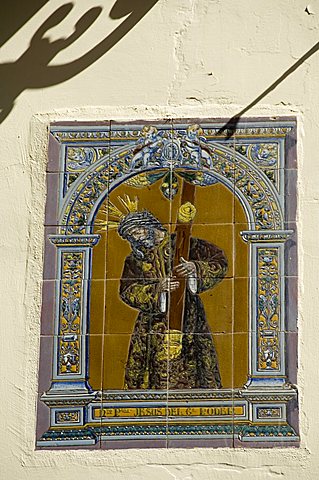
14	14
230	127
32	69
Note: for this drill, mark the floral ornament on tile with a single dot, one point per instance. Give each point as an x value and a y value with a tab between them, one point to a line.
268	309
269	412
202	179
69	356
70	312
79	158
264	154
169	186
70	306
144	179
67	417
171	346
186	212
172	149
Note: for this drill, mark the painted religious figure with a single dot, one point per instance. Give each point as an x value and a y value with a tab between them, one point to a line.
165	351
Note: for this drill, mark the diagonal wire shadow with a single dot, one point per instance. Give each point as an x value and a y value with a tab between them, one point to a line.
230	126
32	69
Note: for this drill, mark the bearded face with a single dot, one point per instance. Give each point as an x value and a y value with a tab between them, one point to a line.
142	230
144	238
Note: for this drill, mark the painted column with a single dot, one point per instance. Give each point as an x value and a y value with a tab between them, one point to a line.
70	366
267	340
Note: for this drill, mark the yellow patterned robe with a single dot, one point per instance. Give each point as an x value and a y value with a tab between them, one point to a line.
151	363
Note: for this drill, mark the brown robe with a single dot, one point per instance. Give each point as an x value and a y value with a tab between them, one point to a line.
156	359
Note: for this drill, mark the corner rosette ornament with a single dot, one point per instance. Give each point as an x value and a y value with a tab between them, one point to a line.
186	213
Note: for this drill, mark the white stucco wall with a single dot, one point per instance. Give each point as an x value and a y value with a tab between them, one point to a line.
194	58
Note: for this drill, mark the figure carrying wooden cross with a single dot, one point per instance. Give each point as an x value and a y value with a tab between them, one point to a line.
171	345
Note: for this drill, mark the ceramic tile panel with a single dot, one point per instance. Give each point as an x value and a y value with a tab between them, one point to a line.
69	362
45	376
74	305
140	148
290	150
208	305
241	309
245	243
97	293
155	196
117	263
203	412
290	268
63	373
121	297
291	304
207	171
55	189
276	306
135	381
95	348
169	299
188	370
213	242
272	416
79	150
208	385
217	301
291	181
124	320
48	308
50	267
75	146
214	203
282	184
241	250
45	362
99	264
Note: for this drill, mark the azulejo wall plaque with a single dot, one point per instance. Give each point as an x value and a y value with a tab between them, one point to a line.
169	311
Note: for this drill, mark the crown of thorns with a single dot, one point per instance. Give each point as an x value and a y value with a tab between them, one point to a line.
136	220
125	221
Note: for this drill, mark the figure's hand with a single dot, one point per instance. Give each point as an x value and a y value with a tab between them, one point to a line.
169	284
185	268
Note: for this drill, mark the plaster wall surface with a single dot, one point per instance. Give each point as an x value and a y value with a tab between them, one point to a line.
185	58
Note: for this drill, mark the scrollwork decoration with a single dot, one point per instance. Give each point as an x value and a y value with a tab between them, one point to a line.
188	150
268	314
70	312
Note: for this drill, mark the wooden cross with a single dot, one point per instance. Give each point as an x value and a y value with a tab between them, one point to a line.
183	235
